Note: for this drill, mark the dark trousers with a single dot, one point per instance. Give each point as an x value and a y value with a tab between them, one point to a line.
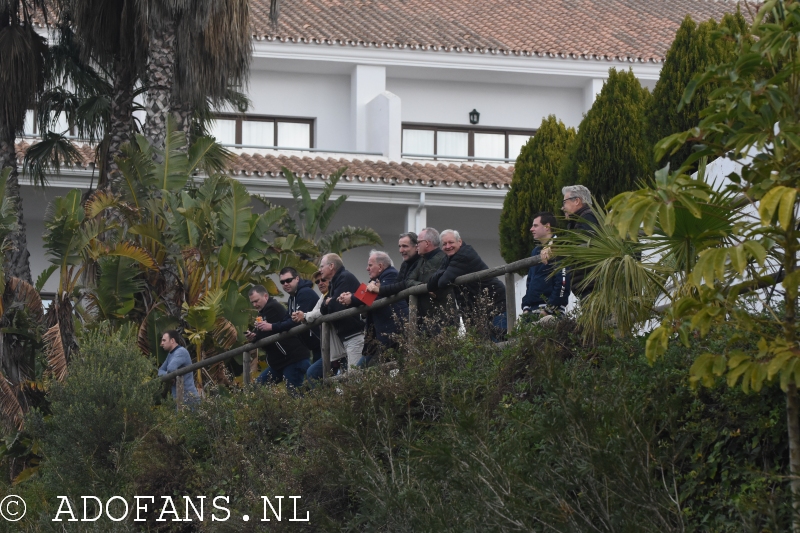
293	373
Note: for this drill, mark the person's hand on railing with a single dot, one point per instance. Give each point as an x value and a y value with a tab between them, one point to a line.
374	286
545	255
298	316
346	298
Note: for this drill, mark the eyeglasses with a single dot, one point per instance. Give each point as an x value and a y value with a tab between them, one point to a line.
287	280
421	241
568	199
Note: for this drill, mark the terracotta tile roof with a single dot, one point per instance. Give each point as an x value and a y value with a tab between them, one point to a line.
373	170
377	170
627	30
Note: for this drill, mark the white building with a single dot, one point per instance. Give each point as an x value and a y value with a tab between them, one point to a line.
384	86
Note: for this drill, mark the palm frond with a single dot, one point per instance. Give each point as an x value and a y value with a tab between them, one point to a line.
54	351
626	283
348	238
19	290
10	408
49	154
98	202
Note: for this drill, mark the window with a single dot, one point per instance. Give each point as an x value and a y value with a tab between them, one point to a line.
283	132
460	142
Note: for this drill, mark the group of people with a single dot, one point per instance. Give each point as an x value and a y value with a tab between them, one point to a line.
431	259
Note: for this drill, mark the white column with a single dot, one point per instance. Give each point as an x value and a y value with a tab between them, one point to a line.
384	125
417	216
366	82
590	92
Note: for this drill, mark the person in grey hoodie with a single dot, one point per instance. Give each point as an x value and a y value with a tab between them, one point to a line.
178	357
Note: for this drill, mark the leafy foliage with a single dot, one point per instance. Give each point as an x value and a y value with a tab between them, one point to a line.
611	152
312	217
534	187
694	49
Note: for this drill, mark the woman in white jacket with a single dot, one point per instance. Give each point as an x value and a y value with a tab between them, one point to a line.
337	349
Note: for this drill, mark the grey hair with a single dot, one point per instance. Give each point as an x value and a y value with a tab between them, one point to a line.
411	236
578	191
333	259
453	232
382	258
432	236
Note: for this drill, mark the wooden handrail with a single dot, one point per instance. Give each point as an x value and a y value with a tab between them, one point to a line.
383	302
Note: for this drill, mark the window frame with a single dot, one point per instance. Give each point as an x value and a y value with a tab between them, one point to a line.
471	130
275	119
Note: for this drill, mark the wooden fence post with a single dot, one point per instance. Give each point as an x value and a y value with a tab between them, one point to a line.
511	301
246	368
179	391
413	312
326	350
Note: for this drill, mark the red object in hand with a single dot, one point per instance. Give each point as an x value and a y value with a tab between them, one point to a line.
364	295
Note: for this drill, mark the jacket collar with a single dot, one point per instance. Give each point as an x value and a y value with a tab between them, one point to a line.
433	253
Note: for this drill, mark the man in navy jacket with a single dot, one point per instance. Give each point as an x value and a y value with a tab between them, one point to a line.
301	298
385	322
547	292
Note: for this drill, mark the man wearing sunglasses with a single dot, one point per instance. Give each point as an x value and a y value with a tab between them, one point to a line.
301	298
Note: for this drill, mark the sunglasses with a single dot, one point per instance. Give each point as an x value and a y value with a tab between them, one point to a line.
285	281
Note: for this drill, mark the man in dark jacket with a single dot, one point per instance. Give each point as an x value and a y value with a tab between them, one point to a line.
463	259
287	359
407	246
382	323
577	207
547	293
301	298
350	329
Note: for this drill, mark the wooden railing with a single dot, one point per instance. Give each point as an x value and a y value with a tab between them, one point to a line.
410	293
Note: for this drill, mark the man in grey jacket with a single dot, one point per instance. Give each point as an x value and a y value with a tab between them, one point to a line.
177	357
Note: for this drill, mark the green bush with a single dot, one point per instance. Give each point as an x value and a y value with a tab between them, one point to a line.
611	150
693	50
98	416
534	187
544	435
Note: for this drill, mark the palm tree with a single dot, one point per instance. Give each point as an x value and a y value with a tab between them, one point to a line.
20	320
23	55
315	215
111	34
197	50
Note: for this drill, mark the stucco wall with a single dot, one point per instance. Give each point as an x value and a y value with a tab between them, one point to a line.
501	105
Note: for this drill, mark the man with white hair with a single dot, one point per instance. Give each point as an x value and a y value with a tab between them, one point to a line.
463	259
382	323
577	207
350	329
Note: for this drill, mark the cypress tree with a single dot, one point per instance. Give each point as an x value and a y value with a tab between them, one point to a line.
611	151
694	50
534	187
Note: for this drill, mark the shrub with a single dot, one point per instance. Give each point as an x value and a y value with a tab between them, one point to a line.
534	187
611	150
693	50
98	415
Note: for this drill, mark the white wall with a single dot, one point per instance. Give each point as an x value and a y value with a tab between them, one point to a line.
34	205
325	97
501	105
